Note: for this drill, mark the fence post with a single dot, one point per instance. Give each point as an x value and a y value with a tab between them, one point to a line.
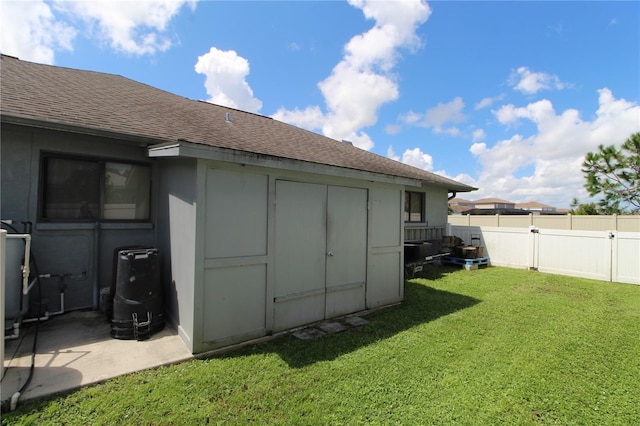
611	253
530	220
498	220
614	218
468	220
532	255
570	220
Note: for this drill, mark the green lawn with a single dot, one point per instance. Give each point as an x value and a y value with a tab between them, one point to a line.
492	346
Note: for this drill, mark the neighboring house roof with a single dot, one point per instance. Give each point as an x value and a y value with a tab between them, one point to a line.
534	205
457	200
492	201
493	211
110	105
455	208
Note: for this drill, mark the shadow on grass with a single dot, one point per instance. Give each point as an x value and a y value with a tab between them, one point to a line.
422	304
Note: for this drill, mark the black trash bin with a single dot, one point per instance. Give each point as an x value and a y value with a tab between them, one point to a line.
137	311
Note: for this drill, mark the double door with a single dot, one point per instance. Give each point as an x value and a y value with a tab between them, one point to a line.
320	252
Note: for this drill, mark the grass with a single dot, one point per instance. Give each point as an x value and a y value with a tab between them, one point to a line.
492	346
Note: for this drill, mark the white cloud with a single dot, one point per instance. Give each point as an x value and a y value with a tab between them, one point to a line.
439	118
478	148
486	102
528	82
391	153
478	134
392	129
359	139
225	79
30	30
546	166
353	97
410	117
135	27
35	30
413	157
363	80
416	158
311	118
445	113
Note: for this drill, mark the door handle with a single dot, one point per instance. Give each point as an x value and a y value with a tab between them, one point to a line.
330	254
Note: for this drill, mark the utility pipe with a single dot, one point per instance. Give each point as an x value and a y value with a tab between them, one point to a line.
25	267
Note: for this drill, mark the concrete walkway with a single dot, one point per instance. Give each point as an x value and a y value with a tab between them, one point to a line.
75	349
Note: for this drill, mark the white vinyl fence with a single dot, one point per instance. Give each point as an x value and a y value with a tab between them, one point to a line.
601	255
623	223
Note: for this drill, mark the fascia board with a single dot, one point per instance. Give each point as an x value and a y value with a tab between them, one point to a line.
207	152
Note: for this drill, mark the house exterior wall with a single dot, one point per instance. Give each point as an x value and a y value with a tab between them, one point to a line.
81	252
436	206
435	209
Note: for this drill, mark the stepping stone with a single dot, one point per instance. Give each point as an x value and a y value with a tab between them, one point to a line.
332	327
356	321
308	333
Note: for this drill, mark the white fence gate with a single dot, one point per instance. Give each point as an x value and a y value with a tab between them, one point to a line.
600	255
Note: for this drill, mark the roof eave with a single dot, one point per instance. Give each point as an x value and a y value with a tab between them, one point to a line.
72	128
188	149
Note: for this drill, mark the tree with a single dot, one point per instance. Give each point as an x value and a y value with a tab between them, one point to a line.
615	173
578	208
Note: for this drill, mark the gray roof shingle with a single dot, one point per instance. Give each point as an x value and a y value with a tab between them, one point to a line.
98	102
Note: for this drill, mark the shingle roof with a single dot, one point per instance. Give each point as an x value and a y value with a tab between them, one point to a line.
93	101
492	201
457	200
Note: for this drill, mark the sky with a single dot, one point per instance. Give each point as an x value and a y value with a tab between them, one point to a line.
505	96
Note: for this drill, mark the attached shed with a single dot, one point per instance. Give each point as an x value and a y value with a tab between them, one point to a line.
261	226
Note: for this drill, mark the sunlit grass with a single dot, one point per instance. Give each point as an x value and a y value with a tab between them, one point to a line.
492	346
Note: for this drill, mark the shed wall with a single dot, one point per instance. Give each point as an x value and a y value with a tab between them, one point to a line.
176	240
261	247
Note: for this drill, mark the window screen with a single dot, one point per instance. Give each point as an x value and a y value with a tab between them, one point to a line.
88	190
126	191
414	207
71	189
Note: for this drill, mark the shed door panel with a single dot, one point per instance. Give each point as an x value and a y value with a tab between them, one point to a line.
300	252
347	250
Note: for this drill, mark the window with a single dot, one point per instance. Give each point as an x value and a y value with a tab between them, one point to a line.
414	207
86	189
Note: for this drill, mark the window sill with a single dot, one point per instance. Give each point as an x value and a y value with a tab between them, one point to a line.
65	226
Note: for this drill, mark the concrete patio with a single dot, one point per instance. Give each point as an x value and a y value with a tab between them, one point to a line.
76	349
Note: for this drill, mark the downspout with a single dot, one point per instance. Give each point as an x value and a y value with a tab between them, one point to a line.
453	195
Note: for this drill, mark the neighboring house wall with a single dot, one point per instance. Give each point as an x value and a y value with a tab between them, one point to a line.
494	206
82	252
